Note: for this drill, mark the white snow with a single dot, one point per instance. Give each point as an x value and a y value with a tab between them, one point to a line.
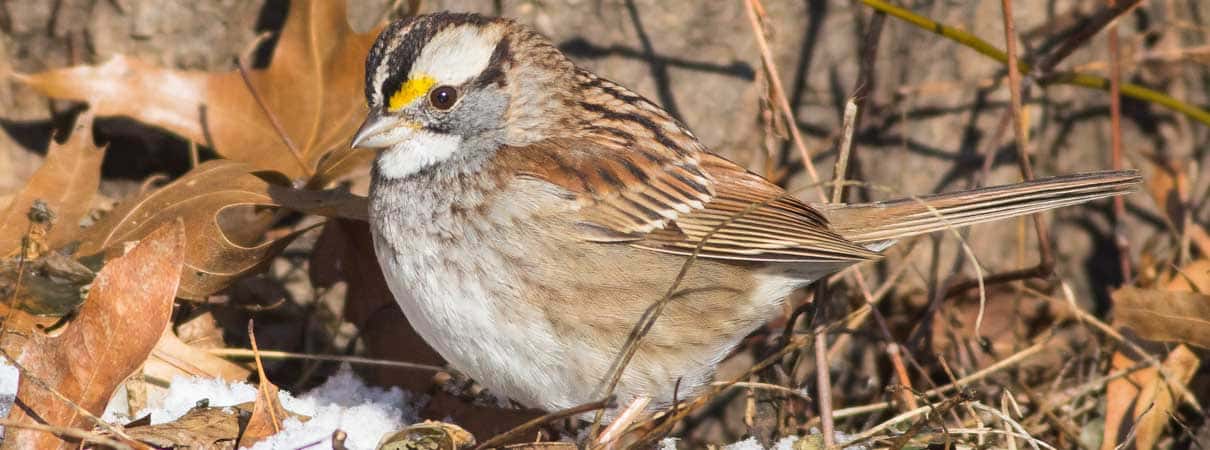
185	392
344	402
8	389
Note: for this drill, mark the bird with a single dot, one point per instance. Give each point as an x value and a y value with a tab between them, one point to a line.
527	212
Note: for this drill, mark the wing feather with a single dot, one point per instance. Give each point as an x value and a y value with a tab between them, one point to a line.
628	191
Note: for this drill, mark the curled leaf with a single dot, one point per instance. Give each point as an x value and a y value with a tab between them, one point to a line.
216	255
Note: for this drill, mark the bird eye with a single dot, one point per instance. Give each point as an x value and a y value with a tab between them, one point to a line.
443	97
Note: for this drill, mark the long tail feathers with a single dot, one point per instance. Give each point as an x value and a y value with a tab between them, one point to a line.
872	223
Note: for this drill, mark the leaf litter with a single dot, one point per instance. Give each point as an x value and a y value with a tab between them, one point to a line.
240	213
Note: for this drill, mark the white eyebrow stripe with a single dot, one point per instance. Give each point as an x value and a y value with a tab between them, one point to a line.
457	54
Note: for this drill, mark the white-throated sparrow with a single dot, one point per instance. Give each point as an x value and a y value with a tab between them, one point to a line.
527	212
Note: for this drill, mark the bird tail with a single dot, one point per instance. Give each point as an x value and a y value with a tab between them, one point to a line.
878	222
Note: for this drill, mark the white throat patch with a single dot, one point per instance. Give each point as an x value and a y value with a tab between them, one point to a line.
457	54
424	149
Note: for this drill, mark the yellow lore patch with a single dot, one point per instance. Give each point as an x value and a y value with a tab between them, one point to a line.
410	90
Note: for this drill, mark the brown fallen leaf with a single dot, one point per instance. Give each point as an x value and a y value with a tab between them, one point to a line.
1193	277
1120	394
216	255
173	357
1169	186
51	284
267	412
1154	406
1163	315
127	309
201	427
312	86
66	183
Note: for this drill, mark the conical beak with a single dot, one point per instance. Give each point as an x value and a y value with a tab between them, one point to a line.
382	131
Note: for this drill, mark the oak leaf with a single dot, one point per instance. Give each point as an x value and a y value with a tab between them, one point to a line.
216	255
313	86
65	183
127	309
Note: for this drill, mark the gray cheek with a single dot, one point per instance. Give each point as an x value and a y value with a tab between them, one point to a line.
480	112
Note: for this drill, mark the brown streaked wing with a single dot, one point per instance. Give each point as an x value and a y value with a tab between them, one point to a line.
659	202
755	221
624	190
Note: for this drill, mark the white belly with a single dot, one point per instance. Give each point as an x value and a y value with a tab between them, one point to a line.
460	298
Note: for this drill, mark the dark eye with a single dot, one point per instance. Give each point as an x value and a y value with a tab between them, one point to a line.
443	97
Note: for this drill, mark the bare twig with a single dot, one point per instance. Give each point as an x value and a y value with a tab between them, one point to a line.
1021	130
27	376
779	93
1115	129
1005	363
269	114
274	354
82	435
1078	39
614	431
519	429
823	370
1075	79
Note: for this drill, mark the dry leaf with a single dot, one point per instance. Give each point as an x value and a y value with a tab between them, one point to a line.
66	183
201	428
1120	394
267	415
267	412
313	86
1161	315
1194	277
51	284
127	309
1169	186
428	435
173	357
1155	406
215	256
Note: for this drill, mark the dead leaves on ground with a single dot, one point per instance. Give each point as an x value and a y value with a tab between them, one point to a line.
65	183
219	254
1179	312
1176	310
138	284
312	87
230	209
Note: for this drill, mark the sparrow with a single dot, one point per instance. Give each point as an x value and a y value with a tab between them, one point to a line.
527	212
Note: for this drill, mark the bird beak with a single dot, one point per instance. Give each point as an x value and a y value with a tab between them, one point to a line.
380	131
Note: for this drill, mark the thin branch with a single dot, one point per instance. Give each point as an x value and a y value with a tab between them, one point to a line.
277	126
823	370
83	436
1115	133
1075	79
274	354
519	429
779	93
1021	131
27	376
